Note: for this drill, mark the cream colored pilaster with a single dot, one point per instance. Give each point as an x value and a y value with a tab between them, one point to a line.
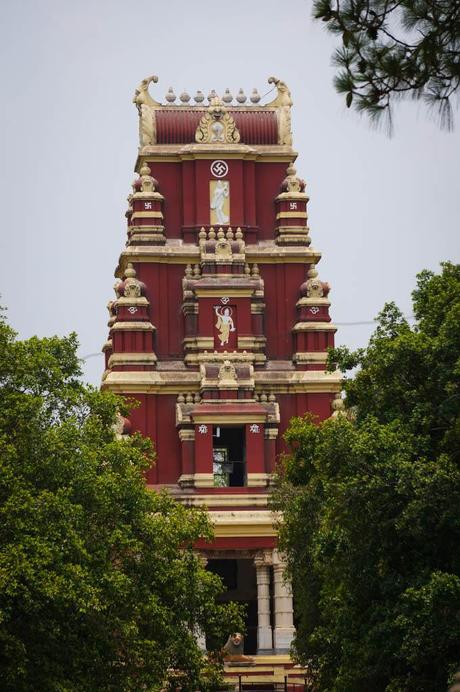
262	563
284	623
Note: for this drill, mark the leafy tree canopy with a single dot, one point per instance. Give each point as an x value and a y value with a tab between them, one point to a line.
99	586
392	49
371	523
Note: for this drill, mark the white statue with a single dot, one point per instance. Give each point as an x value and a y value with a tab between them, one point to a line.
224	324
221	193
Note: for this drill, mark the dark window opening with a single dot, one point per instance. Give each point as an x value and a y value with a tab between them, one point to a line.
229	463
239	578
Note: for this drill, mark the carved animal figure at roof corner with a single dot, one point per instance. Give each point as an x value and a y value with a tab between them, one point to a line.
217	126
282	103
146	106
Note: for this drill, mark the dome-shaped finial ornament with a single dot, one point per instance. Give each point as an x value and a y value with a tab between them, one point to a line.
313	287
227	97
132	287
148	183
241	97
184	97
292	183
130	272
199	97
255	96
312	273
170	95
145	169
212	95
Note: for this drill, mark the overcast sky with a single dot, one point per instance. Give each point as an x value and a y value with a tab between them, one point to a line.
380	209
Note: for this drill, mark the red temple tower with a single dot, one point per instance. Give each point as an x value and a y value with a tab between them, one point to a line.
220	327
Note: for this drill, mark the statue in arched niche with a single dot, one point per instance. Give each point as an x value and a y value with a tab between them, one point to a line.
224	324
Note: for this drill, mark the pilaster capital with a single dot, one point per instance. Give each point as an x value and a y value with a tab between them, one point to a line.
203	558
263	559
279	561
186	435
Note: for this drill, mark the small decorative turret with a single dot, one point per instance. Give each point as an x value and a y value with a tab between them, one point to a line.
199	97
131	286
313	287
147	182
255	96
212	95
184	97
145	221
292	183
291	214
313	333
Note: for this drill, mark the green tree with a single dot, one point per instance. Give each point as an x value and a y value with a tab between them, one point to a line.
99	586
370	502
394	49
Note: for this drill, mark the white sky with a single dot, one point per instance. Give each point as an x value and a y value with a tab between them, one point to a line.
380	209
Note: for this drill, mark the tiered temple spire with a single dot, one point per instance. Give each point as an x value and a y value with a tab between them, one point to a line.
220	325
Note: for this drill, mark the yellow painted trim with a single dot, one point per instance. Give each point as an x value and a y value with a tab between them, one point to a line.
314	327
311	356
260	500
133	326
204	480
126	358
258	480
292	215
218	293
146	215
222	417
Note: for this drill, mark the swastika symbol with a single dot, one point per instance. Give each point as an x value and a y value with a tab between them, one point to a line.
219	168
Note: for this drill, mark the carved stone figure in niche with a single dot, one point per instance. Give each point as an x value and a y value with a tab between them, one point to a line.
219	204
223	250
227	372
233	650
224	324
314	288
217	132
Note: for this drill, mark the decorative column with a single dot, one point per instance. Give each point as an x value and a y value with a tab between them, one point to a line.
284	624
199	634
262	563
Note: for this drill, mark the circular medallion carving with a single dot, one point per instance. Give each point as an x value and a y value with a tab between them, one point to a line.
219	168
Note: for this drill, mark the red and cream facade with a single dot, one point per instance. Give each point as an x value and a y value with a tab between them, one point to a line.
220	325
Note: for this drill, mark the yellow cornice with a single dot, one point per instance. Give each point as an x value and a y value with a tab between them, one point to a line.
179	380
160	153
227	500
314	327
243	523
222	417
231	292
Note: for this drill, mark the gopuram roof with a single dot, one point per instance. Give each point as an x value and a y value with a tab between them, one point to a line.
214	119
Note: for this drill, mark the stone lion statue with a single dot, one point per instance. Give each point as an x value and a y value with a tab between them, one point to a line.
233	650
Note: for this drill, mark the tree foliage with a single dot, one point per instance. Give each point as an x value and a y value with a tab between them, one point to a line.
99	586
392	49
370	501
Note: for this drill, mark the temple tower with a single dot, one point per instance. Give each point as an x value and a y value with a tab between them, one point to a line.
220	325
